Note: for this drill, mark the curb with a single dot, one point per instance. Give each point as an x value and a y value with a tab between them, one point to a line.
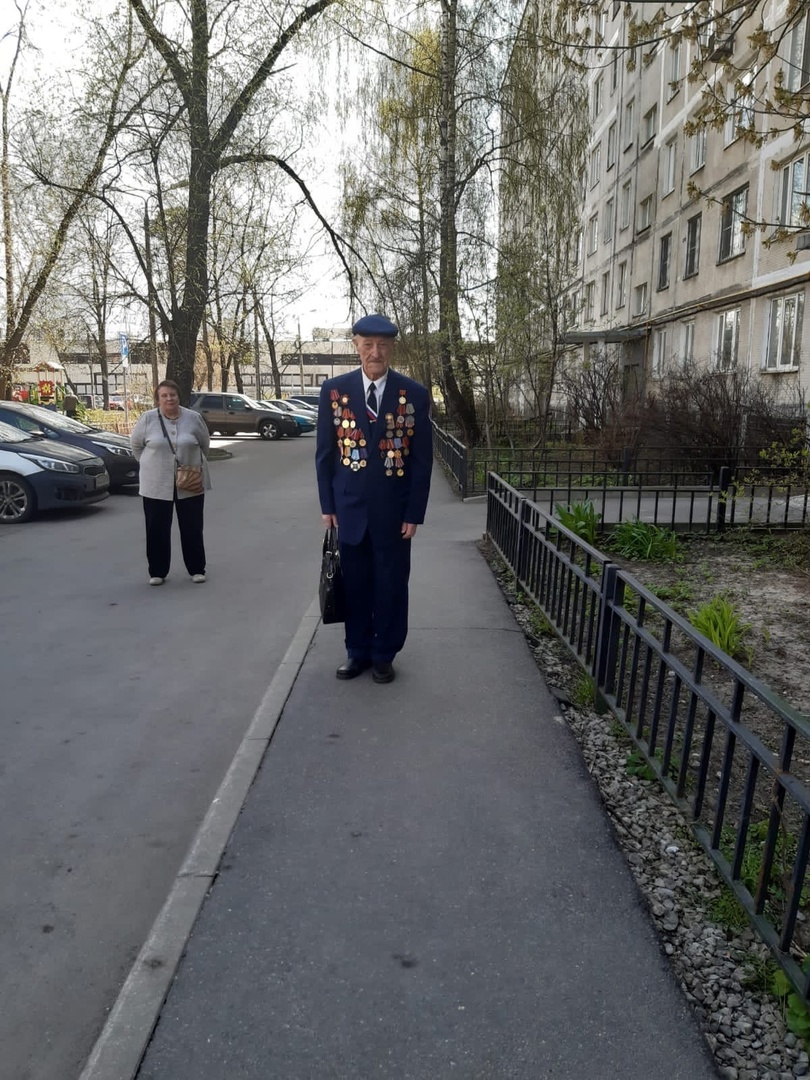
120	1047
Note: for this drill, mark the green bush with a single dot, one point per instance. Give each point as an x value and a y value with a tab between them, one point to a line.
636	539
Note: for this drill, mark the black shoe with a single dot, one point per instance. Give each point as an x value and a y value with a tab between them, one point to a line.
383	672
352	668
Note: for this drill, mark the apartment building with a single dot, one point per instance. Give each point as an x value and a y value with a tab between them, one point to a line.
681	258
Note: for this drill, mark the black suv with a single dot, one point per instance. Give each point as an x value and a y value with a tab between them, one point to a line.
230	414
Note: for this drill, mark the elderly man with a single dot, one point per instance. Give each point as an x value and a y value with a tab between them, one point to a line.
373	461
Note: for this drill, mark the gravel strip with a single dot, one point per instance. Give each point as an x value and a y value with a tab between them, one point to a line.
716	967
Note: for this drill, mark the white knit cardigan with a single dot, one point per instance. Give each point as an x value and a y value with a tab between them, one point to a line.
151	447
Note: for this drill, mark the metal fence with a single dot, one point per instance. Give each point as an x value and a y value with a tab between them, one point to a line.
691	494
731	753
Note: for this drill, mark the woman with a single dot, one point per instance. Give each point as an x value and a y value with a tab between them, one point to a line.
159	436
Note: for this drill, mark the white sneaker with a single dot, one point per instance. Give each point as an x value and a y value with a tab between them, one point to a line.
156	580
198	579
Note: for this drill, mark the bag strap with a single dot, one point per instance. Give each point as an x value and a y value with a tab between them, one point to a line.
165	432
171	444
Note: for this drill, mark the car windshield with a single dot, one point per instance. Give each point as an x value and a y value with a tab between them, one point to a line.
12	434
54	419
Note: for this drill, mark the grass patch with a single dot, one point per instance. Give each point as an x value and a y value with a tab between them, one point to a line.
583	693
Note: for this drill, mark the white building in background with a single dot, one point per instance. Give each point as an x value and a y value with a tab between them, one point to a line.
304	366
666	275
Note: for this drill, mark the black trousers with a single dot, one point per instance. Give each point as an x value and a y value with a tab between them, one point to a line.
158	514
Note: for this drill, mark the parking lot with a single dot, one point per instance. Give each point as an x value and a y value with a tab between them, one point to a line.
122	707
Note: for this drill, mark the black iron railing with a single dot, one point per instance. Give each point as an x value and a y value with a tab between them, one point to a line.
704	495
731	753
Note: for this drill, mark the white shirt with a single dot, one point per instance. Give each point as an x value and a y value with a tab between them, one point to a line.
379	385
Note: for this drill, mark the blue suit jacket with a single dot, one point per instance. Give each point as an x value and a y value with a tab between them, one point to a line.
374	479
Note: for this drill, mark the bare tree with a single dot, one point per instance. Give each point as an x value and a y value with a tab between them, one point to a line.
64	155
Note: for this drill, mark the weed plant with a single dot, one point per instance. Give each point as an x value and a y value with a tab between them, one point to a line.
581	518
719	621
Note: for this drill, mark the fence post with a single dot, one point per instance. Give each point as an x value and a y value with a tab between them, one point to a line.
607	642
722	498
625	465
463	471
519	544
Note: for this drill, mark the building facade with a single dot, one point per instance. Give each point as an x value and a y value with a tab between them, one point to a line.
683	257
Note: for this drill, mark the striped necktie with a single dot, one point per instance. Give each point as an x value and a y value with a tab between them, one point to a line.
371	403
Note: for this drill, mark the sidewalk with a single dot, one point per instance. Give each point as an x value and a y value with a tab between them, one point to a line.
422	883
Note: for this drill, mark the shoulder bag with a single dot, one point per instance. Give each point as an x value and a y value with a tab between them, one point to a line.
186	477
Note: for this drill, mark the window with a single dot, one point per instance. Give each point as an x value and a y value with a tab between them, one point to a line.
598	94
688	341
211	401
664	250
589	300
593	234
601	23
611	145
649	124
596	164
578	247
670	165
614	71
674	72
732	238
727	340
628	123
603	308
697	150
798	69
640	299
692	261
740	117
607	232
645	213
625	203
621	286
659	352
235	403
793	192
575	304
785	332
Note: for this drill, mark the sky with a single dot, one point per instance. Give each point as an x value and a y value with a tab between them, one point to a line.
54	30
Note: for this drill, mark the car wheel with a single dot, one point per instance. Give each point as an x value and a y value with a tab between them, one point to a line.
268	430
18	502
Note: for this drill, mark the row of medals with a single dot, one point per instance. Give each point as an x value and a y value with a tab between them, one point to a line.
394	446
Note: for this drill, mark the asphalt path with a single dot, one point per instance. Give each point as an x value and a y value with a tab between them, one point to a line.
120	710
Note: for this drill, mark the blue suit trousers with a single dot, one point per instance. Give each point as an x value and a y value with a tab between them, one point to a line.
375	575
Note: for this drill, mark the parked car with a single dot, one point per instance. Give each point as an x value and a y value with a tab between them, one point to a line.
306	399
230	414
306	420
114	450
301	406
39	474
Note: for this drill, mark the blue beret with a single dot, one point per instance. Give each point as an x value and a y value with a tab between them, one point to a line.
375	326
